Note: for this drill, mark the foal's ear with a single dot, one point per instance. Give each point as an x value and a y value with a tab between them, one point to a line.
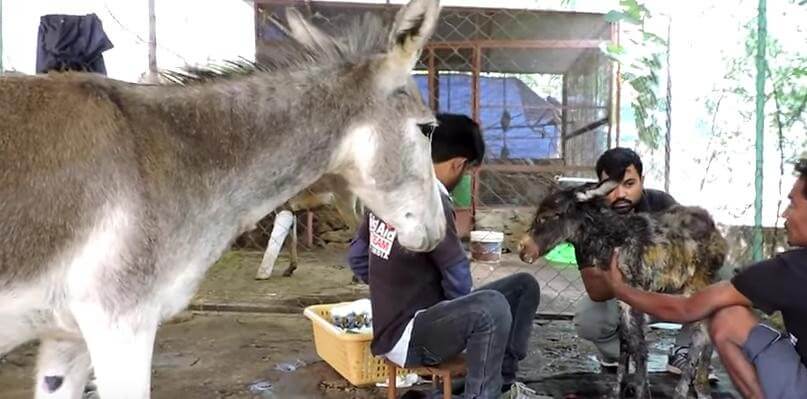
414	25
309	35
599	190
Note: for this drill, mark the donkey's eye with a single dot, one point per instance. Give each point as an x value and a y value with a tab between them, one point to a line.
427	129
549	218
401	91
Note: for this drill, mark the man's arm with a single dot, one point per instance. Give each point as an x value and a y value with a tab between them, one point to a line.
457	279
450	259
358	257
597	286
674	308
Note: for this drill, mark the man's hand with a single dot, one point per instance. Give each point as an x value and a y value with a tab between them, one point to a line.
613	276
673	308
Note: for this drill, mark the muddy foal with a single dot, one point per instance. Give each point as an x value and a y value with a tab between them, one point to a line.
679	250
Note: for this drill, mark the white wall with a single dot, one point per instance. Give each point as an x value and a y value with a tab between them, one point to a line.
188	31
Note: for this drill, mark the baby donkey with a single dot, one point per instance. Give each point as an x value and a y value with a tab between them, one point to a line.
678	250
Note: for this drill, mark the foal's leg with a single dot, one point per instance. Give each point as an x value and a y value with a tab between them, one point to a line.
702	388
638	349
62	369
700	340
624	350
120	347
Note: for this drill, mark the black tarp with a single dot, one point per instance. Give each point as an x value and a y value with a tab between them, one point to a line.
71	43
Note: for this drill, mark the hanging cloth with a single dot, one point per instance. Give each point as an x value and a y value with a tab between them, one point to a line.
71	43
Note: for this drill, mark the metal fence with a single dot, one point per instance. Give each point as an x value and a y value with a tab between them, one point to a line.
539	87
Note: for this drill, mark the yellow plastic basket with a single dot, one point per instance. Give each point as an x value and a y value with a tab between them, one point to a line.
349	354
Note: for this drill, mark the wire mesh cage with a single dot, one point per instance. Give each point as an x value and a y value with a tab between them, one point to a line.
540	89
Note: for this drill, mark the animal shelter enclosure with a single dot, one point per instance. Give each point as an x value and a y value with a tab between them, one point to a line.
540	79
542	92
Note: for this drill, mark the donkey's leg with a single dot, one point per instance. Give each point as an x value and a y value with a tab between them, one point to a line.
699	341
62	369
702	388
638	349
120	348
624	350
292	249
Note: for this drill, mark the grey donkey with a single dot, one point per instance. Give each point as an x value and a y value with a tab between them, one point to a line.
117	197
679	250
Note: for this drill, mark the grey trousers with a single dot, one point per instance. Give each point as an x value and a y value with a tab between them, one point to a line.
598	322
779	368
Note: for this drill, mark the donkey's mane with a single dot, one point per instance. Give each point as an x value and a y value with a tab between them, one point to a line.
364	36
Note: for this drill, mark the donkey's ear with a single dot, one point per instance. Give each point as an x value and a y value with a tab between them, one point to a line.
309	35
599	190
414	25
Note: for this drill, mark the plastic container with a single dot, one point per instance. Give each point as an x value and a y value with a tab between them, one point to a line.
349	354
562	253
486	246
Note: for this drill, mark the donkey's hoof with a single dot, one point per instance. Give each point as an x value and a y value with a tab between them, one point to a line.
703	393
641	391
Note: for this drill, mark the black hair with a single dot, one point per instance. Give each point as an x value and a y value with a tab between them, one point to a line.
801	169
614	162
457	136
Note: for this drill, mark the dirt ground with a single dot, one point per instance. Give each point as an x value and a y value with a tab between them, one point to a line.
324	277
249	339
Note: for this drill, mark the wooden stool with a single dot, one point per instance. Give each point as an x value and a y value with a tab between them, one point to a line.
443	371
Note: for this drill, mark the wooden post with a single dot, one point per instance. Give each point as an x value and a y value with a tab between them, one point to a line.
434	83
476	72
392	388
152	43
309	237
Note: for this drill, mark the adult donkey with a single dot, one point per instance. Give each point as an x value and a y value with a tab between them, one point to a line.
116	198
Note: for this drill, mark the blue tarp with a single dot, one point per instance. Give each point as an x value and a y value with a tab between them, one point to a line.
534	131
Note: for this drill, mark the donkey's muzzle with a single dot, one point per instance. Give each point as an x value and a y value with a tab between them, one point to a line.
528	250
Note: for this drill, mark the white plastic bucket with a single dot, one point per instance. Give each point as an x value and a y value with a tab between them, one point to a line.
486	246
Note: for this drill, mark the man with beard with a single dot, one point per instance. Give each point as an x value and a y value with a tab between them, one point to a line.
596	318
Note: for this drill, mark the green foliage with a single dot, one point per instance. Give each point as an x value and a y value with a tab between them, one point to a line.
640	62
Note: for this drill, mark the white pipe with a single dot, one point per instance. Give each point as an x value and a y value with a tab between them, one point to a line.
280	230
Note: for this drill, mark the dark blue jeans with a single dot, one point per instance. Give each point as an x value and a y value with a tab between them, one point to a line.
492	324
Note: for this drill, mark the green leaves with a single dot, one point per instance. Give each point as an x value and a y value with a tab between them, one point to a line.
614	16
640	61
632	12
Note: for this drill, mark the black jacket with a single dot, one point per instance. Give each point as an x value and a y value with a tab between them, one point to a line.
71	43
